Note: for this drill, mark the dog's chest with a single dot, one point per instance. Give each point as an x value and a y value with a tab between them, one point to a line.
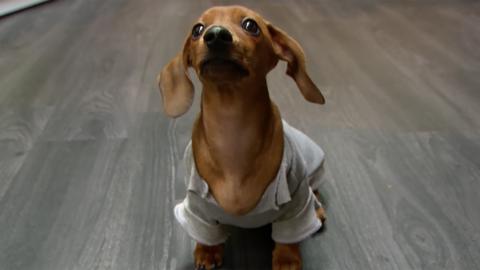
237	199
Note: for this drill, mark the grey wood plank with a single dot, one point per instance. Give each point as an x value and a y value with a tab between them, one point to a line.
34	46
410	203
19	129
35	200
349	57
91	204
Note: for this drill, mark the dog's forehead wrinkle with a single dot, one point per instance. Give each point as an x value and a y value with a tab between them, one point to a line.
224	14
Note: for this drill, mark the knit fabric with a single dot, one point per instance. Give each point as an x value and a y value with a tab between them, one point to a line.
288	203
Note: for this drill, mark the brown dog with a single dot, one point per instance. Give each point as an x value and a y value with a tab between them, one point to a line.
239	146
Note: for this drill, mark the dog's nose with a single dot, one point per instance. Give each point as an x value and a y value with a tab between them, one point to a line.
218	38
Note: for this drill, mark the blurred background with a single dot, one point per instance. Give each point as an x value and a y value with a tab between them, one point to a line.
90	167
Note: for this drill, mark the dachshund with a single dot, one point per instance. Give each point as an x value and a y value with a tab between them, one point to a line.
246	166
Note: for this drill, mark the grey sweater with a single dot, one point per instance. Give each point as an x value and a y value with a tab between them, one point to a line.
288	202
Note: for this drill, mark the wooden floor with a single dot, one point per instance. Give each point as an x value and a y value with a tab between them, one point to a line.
89	165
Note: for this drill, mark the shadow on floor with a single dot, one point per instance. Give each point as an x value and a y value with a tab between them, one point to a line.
249	249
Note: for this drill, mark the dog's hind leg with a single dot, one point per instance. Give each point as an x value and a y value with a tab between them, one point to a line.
321	214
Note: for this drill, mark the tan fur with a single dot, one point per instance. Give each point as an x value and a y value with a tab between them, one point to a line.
237	138
208	257
286	257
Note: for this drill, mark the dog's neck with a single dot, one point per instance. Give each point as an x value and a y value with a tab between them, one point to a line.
237	141
236	121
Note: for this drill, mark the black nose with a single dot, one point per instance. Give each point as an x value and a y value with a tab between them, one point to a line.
218	38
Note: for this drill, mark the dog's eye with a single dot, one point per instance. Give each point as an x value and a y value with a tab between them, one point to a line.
197	30
251	27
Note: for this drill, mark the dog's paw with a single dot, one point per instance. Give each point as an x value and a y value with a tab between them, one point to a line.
208	257
321	214
286	257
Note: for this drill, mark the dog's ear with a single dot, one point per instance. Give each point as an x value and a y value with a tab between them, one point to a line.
175	86
288	49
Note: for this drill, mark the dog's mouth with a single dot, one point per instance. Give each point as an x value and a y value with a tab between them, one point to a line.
222	66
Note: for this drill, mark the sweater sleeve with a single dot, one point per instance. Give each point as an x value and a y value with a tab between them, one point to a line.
299	220
190	214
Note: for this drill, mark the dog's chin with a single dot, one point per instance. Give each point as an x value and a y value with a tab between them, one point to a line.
222	69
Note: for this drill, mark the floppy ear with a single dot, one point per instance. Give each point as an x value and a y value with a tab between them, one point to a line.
288	49
175	86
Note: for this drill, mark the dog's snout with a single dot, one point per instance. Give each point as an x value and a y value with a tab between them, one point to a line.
218	37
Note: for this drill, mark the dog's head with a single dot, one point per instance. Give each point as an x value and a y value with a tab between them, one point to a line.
232	45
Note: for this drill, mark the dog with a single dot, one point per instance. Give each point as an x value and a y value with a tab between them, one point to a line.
245	165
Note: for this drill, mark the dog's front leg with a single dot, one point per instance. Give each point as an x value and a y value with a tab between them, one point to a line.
286	257
208	257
